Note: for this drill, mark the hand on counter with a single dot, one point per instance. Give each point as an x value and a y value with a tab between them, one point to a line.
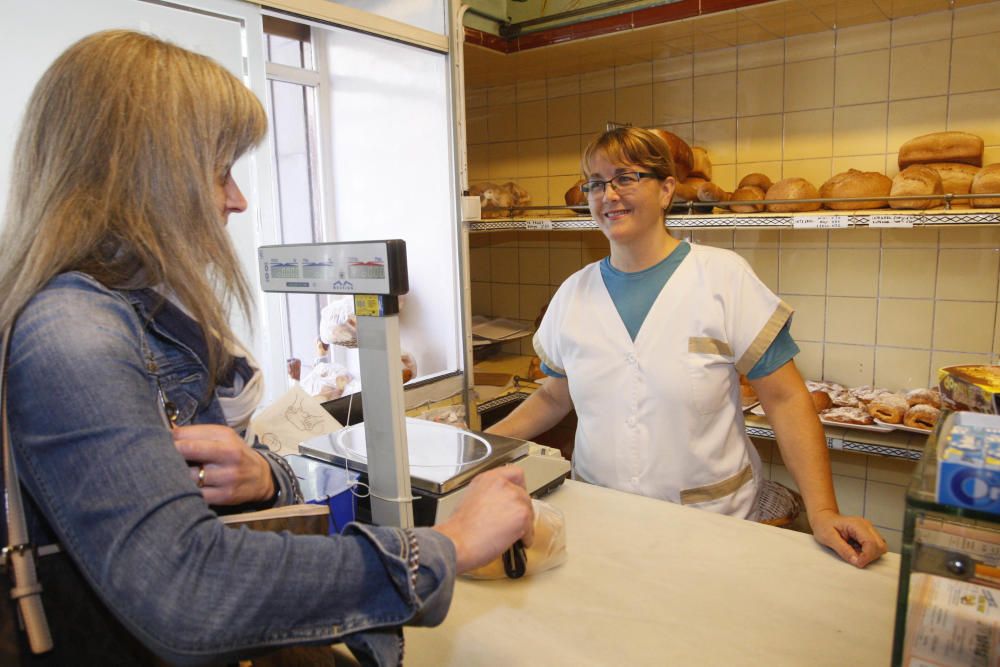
853	538
225	468
495	512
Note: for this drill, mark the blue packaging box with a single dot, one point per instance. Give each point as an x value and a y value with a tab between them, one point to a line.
326	484
969	463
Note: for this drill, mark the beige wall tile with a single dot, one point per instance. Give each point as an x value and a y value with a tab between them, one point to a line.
637	74
565	239
975	63
591	255
815	170
908	273
809	360
479	264
923	28
764	262
479	162
537	187
856	237
678	67
809	320
976	20
760	90
564	156
862	78
762	54
634	105
502	122
532	158
672	102
910	238
531	300
759	138
964	326
771	168
724	175
809	47
533	239
558	185
594	239
480	240
808	134
900	369
477	126
683	130
475	98
718	137
503	265
848	464
850	320
991	155
505	239
972	237
919	70
531	90
533	267
479	294
850	494
809	85
967	274
719	238
905	322
885	504
893	539
563	262
891	470
942	358
714	96
715	61
531	120
597	80
755	238
500	95
503	161
804	238
860	162
869	37
860	130
850	365
802	271
853	272
504	300
598	110
563	115
911	118
976	113
562	86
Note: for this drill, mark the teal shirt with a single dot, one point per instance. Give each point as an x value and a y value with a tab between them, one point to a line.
634	293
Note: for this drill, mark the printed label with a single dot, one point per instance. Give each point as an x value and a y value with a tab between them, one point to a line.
820	221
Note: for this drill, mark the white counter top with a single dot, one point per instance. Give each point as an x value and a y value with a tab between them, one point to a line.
651	583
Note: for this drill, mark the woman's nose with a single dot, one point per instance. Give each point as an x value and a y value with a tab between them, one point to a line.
235	201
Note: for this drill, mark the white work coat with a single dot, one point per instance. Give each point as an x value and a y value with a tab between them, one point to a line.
661	416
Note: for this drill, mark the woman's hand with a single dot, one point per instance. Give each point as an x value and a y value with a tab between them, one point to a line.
853	538
495	512
227	470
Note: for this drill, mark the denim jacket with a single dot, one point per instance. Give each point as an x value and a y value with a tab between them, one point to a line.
103	478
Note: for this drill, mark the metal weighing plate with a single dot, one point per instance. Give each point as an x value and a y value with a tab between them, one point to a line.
442	457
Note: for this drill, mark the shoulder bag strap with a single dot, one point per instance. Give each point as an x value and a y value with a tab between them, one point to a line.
19	554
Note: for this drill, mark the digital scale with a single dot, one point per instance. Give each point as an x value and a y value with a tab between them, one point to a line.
413	467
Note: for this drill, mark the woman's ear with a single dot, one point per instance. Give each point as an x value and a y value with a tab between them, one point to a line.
667	188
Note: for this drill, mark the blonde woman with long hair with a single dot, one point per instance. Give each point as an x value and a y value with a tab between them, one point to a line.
127	391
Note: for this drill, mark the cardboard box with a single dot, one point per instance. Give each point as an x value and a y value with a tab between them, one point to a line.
970	388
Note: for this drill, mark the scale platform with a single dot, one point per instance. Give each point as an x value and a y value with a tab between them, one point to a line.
443	459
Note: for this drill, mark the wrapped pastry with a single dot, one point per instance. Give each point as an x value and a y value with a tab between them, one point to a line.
847	416
930	397
922	416
546	552
888	408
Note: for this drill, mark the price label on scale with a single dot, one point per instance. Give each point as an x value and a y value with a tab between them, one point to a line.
819	221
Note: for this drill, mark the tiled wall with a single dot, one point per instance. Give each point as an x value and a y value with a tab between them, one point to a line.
884	307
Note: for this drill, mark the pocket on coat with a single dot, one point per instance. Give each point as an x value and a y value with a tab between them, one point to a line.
711	369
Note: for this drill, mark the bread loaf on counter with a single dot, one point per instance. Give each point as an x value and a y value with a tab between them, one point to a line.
748	193
854	183
987	181
679	151
756	179
917	179
792	188
701	165
942	147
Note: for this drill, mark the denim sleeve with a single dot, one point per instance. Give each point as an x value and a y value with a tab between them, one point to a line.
97	458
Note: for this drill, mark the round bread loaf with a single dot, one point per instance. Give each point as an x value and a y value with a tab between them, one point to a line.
685	192
956	178
680	152
701	164
916	179
710	192
942	147
574	196
888	408
792	188
922	416
747	193
854	183
756	179
987	181
821	400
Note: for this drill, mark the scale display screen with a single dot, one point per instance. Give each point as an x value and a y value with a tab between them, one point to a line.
364	267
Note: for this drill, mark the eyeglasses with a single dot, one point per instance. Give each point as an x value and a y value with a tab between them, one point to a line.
619	182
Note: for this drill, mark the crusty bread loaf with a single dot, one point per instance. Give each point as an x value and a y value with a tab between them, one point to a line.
854	183
756	179
792	188
987	181
917	179
574	196
710	192
956	178
942	147
679	151
685	192
747	193
701	164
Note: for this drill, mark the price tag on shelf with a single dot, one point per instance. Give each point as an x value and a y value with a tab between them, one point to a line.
820	221
538	225
889	220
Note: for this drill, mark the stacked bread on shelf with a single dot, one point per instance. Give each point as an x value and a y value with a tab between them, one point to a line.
497	201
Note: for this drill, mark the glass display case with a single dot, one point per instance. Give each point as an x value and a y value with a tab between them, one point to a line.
948	604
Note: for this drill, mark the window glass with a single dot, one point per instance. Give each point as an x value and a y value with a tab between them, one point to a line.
426	14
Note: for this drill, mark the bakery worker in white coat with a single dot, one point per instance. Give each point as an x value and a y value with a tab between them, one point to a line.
647	345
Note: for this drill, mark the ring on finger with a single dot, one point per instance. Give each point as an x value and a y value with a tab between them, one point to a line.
201	476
